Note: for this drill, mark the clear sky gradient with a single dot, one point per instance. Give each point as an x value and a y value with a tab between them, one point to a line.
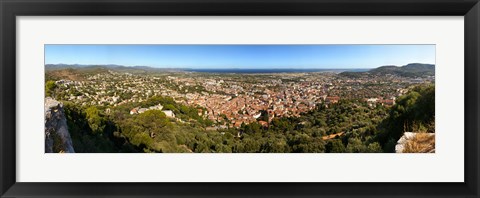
242	56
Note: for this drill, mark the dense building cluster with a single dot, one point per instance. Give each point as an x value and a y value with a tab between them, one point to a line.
232	99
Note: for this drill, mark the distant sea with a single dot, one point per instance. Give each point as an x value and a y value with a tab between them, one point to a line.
252	71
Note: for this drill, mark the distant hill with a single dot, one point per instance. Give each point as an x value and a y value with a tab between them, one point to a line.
411	70
79	66
118	68
64	73
63	66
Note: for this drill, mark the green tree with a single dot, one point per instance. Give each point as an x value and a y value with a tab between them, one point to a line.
374	148
50	88
95	121
355	145
335	146
413	112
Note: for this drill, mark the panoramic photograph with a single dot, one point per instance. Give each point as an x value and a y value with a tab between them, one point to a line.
236	98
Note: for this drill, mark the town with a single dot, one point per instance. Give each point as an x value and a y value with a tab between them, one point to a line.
240	98
230	100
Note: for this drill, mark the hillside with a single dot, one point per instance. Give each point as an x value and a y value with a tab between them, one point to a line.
76	66
75	74
118	68
413	112
65	74
347	126
412	70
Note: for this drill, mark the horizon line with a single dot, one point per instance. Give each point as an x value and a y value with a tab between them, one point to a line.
162	67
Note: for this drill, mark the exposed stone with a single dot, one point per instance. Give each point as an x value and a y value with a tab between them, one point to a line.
416	143
57	137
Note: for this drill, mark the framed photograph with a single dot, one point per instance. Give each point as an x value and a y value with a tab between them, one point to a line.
239	98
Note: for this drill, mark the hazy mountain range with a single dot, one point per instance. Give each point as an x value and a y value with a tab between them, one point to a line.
409	70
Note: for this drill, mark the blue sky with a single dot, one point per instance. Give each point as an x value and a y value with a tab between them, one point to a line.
242	56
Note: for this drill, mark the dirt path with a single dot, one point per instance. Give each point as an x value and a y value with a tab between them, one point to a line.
332	136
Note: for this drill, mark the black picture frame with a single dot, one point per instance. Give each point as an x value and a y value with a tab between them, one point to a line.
9	9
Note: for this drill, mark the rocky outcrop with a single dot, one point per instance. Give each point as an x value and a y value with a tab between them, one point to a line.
57	137
416	143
